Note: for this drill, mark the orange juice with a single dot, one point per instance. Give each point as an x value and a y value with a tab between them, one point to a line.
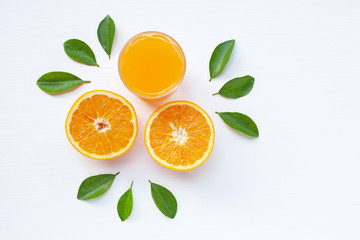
152	64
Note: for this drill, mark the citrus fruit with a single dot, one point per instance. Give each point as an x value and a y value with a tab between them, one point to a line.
101	125
179	135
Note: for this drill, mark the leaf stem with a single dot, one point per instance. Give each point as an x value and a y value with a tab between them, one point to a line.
210	79
149	181
217	112
215	93
131	184
117	173
87	81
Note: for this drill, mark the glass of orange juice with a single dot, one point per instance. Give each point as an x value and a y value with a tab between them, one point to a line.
152	64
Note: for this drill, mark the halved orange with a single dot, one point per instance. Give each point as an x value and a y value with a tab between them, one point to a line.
179	135
101	125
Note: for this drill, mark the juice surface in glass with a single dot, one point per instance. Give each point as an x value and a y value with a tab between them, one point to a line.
152	64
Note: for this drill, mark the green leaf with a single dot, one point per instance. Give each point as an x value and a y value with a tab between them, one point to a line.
106	33
125	204
164	200
95	186
80	51
237	87
58	82
220	57
240	122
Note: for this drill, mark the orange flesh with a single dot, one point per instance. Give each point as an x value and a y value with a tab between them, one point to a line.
151	64
102	125
180	135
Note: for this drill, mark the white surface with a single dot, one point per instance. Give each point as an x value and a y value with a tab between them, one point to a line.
299	180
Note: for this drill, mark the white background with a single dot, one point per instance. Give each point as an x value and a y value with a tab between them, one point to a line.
299	180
